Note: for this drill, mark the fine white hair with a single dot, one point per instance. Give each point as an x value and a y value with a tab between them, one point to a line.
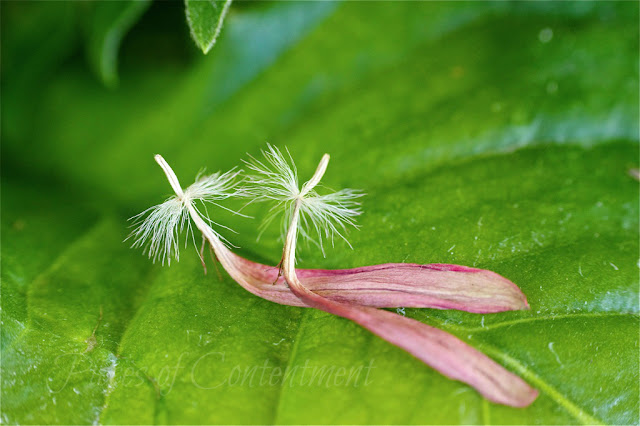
275	179
158	228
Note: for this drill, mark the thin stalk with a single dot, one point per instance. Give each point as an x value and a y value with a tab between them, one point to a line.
228	260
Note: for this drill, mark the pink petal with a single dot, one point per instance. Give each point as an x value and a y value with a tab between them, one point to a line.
439	349
442	351
389	285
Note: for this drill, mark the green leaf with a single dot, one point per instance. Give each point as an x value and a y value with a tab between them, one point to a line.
496	135
107	25
37	37
205	18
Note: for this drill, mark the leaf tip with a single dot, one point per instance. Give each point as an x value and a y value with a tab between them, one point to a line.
200	15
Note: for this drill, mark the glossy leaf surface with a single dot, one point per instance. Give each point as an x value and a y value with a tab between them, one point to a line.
494	135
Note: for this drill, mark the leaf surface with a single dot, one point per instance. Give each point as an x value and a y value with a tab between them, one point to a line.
493	135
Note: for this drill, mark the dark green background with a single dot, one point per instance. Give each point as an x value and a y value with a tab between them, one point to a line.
496	135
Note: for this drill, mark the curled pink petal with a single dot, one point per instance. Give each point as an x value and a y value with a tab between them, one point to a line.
439	349
388	285
436	348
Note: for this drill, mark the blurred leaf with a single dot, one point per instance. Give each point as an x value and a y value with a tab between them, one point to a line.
496	135
37	37
107	25
205	18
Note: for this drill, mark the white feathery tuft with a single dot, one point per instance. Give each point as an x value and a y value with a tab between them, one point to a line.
321	216
215	187
276	179
158	228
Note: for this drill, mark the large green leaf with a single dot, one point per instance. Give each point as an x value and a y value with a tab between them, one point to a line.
495	135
